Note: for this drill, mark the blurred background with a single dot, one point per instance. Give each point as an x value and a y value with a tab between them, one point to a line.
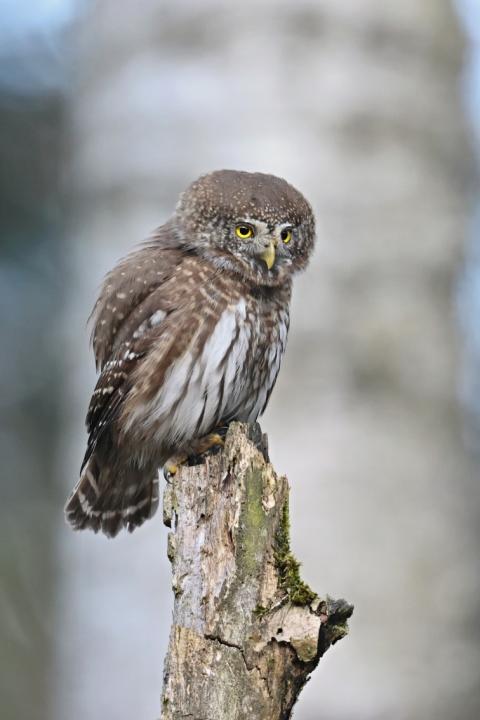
107	111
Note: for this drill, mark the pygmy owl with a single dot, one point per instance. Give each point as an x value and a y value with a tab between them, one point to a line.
189	332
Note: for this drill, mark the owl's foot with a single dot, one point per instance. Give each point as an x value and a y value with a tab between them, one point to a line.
170	468
199	449
212	442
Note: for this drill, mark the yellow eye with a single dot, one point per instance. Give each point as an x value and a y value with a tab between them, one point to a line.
244	231
286	235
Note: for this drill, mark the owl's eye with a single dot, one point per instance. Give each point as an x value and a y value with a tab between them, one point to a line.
244	231
286	235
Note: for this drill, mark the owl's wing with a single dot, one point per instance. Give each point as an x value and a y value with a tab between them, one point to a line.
126	297
126	320
145	320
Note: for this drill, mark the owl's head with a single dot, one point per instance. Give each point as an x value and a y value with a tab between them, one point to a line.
251	223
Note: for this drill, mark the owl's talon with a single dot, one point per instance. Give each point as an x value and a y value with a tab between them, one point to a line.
169	472
170	469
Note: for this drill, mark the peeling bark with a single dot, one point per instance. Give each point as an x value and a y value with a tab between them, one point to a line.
247	631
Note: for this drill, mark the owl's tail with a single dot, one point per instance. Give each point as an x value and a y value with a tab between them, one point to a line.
108	497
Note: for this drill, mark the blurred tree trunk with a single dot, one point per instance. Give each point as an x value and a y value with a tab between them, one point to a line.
358	104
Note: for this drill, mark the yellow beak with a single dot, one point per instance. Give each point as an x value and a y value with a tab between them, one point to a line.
268	256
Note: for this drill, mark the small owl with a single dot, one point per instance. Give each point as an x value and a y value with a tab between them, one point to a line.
188	333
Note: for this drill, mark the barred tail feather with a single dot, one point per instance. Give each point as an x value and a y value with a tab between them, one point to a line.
108	498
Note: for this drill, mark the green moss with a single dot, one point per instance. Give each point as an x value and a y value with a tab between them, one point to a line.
252	524
288	566
306	648
260	611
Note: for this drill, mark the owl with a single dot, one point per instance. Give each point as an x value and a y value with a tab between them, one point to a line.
188	334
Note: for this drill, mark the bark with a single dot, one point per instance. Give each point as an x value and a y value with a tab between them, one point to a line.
247	631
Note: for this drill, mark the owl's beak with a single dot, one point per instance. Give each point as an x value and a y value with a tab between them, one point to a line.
268	255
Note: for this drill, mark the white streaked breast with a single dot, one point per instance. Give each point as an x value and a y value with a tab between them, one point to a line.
190	402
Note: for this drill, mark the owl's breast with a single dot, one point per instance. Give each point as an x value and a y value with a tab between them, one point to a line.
241	361
224	374
268	329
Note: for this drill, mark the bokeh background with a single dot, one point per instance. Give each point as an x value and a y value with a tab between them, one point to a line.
372	108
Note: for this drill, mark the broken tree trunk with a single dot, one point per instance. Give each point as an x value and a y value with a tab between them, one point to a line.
247	631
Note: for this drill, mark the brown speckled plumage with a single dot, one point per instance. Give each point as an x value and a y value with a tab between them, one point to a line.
188	335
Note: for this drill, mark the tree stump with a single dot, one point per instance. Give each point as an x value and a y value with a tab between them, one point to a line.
247	631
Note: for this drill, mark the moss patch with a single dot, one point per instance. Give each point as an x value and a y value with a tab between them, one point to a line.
260	611
252	530
288	566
